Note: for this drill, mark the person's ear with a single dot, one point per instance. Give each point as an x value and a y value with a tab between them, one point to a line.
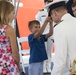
54	12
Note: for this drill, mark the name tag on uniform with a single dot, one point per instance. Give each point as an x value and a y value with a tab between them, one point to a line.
43	15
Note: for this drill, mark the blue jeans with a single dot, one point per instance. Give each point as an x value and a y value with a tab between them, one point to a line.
35	68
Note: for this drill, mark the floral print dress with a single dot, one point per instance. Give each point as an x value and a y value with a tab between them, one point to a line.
7	63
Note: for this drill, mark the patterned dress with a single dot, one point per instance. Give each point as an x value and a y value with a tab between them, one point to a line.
7	63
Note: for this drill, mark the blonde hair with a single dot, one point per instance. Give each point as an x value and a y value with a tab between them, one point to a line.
5	9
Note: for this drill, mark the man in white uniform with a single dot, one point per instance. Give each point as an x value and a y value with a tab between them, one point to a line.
64	37
41	16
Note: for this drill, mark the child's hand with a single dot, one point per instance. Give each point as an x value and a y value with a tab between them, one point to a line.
48	19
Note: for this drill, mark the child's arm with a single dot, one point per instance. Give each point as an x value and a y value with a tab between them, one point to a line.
10	33
37	34
51	28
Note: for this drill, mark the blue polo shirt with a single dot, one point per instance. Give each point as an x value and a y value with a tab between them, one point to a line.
37	48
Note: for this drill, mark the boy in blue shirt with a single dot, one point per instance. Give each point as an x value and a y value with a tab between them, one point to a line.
37	47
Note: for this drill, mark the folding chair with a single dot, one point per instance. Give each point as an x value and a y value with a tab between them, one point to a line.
24	60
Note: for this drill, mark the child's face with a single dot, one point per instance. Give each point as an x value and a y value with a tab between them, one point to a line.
74	0
35	28
11	15
74	10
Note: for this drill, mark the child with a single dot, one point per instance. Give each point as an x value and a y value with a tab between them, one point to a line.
41	16
74	8
37	48
9	55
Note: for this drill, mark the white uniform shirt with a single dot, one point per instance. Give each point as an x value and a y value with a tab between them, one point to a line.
65	43
41	16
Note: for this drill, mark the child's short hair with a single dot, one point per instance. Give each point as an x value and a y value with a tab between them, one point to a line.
31	23
73	4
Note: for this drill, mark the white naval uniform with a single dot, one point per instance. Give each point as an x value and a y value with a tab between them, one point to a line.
64	43
41	16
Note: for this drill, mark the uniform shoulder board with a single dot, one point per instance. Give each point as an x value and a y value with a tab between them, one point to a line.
41	10
58	23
